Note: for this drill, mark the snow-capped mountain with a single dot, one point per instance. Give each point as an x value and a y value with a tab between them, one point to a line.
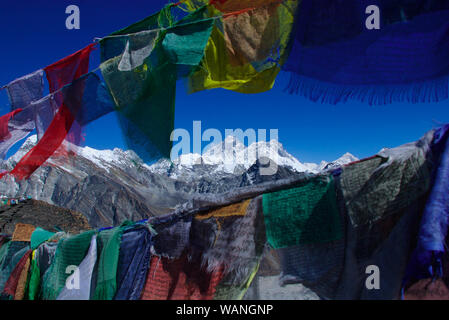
232	157
109	186
344	159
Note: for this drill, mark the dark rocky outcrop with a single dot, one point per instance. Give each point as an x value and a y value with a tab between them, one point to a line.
41	214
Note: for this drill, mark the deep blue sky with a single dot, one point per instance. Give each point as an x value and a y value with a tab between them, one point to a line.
34	35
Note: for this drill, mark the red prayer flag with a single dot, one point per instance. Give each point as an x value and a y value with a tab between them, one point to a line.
4	120
179	279
72	67
62	73
13	280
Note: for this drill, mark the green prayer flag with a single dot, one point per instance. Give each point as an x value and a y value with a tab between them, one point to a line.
34	279
70	252
185	44
108	248
144	90
3	250
304	214
145	101
39	236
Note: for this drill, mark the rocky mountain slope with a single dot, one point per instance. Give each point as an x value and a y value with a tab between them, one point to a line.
41	214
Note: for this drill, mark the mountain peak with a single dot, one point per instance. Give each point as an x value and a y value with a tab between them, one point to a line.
28	144
344	159
231	154
347	158
228	146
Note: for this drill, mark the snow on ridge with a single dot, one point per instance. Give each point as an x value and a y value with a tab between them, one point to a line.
347	158
227	156
109	158
29	143
104	159
232	153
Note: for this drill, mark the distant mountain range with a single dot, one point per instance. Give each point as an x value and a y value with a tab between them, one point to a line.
110	186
